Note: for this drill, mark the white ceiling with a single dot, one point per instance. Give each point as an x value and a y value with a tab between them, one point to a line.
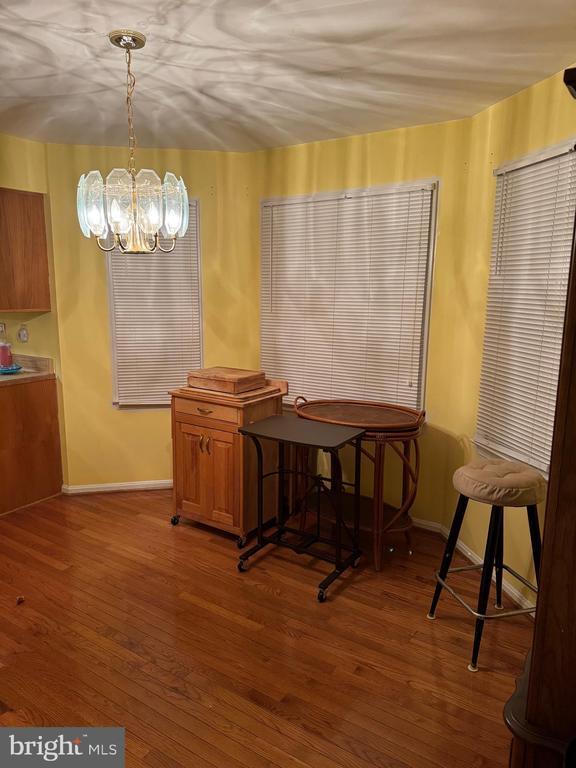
246	74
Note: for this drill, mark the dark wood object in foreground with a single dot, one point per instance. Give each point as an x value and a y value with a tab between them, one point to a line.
385	425
24	282
129	622
30	461
542	714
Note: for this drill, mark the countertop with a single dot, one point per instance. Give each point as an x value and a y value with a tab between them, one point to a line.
33	369
22	376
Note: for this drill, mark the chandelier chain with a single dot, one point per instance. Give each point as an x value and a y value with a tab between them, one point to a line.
130	85
135	215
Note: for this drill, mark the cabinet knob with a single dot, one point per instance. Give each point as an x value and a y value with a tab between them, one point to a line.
204	411
202	443
208	445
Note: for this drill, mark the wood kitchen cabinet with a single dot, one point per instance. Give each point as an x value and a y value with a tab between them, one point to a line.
206	474
24	282
30	461
214	465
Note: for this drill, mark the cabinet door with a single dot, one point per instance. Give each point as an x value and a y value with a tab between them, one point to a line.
192	471
224	504
24	282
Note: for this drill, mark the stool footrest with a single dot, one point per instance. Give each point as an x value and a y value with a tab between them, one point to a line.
468	607
505	567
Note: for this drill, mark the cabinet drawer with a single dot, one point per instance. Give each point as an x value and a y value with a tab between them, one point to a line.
208	410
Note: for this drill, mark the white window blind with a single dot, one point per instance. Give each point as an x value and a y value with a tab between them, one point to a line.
156	320
344	292
532	238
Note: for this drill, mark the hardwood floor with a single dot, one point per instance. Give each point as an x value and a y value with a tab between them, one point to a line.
128	621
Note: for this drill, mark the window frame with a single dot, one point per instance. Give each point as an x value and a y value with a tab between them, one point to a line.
434	184
524	161
194	206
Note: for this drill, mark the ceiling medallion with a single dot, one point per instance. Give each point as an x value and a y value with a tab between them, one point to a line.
135	207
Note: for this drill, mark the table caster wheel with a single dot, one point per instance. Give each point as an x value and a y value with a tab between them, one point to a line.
321	596
241	542
242	566
175	519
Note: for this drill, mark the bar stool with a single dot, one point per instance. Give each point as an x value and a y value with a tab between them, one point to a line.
501	484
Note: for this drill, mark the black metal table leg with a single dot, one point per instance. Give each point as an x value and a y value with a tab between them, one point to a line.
260	490
352	559
357	491
281	488
338	510
342	554
318	483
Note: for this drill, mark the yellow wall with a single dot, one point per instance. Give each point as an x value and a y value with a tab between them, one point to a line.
439	151
23	166
462	155
537	117
105	445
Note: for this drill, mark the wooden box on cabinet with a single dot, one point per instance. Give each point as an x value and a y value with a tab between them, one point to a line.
214	465
24	282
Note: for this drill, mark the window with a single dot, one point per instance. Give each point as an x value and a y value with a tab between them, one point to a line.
345	291
533	223
156	319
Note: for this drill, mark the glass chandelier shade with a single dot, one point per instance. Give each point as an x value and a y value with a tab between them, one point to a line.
135	208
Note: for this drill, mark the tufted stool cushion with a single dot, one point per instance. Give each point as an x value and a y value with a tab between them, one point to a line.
499	482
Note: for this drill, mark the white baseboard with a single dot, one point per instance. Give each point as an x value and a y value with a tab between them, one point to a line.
138	485
430	525
512	591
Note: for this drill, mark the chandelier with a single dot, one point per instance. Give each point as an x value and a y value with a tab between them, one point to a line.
136	208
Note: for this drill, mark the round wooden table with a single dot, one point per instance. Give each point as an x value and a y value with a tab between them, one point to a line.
386	425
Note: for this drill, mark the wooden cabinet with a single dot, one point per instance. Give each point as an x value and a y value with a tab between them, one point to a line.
214	465
24	282
205	475
223	507
30	461
189	468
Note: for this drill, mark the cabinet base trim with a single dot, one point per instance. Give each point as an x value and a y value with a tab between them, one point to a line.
30	504
138	485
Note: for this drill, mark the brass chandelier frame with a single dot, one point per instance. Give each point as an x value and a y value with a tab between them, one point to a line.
135	242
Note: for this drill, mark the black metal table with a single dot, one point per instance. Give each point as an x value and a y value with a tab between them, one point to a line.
291	430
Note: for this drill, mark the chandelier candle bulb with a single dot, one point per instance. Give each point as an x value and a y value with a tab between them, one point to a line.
135	208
